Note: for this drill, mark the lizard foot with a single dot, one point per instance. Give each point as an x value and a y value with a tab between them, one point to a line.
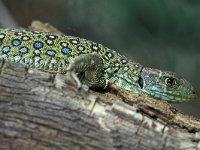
71	78
87	69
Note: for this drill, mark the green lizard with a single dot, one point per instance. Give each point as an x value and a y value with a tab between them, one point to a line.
94	64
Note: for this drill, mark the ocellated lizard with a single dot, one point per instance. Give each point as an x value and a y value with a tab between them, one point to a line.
94	64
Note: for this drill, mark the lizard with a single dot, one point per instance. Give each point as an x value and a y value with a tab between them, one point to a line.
93	64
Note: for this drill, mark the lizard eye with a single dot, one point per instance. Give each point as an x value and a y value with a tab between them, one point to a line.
170	82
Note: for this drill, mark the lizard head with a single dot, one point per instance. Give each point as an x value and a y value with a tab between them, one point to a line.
165	85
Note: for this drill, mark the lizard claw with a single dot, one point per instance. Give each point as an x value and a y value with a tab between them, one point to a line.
72	77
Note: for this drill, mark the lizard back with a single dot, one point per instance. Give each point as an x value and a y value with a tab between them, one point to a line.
53	52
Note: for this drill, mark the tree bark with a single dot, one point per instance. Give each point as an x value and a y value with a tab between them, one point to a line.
39	110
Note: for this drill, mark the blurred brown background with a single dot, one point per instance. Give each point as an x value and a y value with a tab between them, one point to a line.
163	34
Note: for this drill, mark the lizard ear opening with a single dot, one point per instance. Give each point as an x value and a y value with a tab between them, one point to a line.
140	82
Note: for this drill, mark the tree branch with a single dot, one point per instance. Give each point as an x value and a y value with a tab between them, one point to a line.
38	110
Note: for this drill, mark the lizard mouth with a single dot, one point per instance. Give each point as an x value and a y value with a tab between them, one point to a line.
173	98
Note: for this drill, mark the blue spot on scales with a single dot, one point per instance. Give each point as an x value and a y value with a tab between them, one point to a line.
66	50
38	45
51	52
23	50
17	58
6	49
16	42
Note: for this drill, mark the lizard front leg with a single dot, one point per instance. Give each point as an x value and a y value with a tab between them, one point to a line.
90	70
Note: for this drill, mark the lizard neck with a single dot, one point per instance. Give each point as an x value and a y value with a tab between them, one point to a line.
125	74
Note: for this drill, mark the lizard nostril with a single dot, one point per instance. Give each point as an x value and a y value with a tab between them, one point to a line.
195	94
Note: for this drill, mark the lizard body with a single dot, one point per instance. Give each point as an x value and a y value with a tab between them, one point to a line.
94	64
